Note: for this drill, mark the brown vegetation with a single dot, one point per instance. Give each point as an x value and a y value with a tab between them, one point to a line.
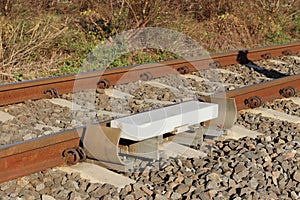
51	37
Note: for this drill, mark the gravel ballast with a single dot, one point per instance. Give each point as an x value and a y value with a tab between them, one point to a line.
266	167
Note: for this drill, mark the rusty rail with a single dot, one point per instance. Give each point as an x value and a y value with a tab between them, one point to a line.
254	96
27	157
17	160
37	89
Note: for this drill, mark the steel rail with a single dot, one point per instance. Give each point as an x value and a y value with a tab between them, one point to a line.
41	88
31	156
269	91
20	159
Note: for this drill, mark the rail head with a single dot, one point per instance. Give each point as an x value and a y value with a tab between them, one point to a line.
43	88
38	154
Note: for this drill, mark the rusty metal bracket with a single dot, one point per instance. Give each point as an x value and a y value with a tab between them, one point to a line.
253	102
287	52
183	70
71	156
81	153
51	93
146	76
288	92
215	64
74	155
266	56
103	84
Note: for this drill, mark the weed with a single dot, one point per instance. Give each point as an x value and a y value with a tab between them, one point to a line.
18	76
70	67
46	38
143	56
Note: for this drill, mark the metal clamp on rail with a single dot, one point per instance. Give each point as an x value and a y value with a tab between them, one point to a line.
51	93
103	84
253	102
215	64
266	56
288	92
183	70
287	52
74	155
146	76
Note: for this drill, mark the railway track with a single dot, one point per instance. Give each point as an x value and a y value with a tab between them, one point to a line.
116	94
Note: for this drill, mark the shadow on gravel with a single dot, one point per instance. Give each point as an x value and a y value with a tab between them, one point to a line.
243	60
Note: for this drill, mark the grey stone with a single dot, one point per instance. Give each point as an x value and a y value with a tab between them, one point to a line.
237	198
156	179
47	197
23	181
75	196
231	191
147	190
182	189
188	181
296	176
232	183
294	195
62	194
160	197
176	195
212	184
239	168
243	174
138	193
226	149
246	191
268	139
251	154
202	196
83	185
253	183
31	197
102	191
39	187
75	185
130	197
125	190
212	193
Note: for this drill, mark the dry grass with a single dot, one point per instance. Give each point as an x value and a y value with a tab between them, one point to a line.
23	50
52	37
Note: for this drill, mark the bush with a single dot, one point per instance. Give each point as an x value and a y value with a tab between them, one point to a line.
52	37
